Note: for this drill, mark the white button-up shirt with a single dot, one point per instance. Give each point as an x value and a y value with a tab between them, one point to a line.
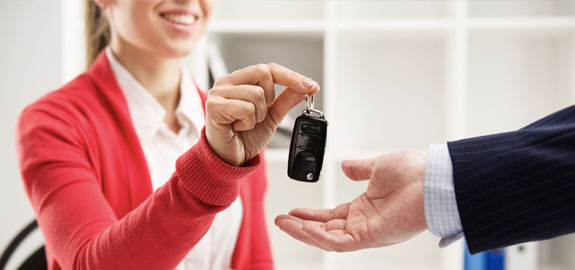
162	147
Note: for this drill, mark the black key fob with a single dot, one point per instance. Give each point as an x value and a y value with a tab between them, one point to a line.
307	146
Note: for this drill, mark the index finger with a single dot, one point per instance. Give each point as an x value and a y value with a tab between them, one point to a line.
294	227
321	215
293	80
255	75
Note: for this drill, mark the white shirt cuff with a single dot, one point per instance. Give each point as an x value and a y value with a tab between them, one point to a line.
441	213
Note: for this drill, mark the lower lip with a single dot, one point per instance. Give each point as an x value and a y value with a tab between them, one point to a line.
179	28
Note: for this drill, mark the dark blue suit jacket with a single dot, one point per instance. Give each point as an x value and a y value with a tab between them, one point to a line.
518	186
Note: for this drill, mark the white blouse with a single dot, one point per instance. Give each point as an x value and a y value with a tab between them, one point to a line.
162	147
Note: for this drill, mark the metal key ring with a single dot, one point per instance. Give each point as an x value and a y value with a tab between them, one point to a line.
309	102
309	107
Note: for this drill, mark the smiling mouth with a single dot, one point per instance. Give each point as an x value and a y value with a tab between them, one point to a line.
182	19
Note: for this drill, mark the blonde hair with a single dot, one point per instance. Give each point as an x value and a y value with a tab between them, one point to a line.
97	32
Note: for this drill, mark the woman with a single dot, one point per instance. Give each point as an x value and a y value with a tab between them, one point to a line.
118	165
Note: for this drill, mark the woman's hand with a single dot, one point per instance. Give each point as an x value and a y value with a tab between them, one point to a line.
242	112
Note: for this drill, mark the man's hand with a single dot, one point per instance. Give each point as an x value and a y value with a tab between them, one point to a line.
389	212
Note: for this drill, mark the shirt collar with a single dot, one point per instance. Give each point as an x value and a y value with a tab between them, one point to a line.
146	112
191	105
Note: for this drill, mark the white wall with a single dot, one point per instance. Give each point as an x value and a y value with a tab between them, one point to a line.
30	65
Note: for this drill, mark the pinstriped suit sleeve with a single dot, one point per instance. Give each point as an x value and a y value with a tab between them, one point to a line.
518	186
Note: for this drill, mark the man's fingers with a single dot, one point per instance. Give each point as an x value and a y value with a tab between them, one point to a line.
358	169
321	215
294	227
324	228
335	225
335	240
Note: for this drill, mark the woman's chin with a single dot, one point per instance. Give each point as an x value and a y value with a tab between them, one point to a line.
171	51
183	52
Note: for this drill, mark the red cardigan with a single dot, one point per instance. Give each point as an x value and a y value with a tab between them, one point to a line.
87	178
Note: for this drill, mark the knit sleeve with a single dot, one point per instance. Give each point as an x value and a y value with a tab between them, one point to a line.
78	223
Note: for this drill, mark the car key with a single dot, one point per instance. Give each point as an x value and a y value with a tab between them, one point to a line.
307	146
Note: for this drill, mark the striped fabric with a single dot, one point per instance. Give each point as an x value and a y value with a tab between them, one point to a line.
518	186
441	214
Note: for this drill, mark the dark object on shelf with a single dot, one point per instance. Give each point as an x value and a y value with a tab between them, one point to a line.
36	261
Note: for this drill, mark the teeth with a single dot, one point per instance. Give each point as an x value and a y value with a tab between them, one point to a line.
185	19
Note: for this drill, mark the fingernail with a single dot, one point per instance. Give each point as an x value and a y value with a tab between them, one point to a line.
307	83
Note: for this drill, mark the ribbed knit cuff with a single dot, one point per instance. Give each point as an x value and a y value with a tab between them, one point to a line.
210	179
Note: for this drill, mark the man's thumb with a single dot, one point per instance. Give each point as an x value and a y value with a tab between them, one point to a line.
358	169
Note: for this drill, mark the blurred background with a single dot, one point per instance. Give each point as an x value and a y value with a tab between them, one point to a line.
394	75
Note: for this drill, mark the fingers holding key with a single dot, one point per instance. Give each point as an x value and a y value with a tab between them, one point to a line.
248	93
256	84
257	75
297	86
240	101
292	80
266	76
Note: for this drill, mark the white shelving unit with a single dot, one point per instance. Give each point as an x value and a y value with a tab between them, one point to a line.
402	75
395	75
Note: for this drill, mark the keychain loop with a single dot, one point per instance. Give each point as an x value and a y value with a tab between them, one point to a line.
309	103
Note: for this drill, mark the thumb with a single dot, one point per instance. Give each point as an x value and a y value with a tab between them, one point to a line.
358	169
288	99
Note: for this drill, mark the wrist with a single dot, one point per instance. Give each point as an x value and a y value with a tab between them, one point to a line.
209	178
227	154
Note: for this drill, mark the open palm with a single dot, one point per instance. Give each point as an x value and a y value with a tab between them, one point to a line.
389	212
